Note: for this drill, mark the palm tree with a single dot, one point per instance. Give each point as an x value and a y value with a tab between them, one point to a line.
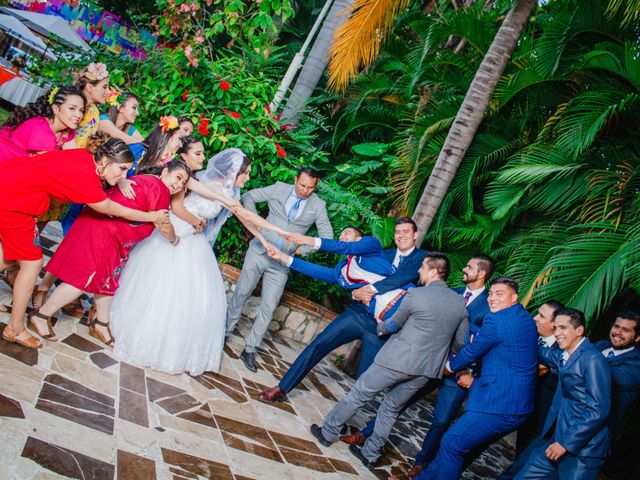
471	114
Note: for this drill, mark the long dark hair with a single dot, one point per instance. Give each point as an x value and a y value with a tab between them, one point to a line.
170	166
187	141
116	151
155	144
41	106
115	109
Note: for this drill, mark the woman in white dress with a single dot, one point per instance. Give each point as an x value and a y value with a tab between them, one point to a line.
170	310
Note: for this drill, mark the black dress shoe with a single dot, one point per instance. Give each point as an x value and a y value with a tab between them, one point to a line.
249	360
357	452
316	431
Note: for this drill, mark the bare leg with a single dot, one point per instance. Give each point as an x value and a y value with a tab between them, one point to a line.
100	325
25	281
47	282
63	294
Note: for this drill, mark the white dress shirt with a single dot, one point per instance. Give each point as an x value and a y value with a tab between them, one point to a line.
474	293
606	351
566	355
549	341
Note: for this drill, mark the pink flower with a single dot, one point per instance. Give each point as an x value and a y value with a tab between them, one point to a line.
199	39
188	50
184	8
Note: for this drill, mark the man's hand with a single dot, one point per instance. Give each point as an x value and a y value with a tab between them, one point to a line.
555	451
276	254
465	379
299	239
126	188
363	294
542	370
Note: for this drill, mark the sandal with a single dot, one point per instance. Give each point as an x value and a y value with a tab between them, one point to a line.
10	277
51	335
38	297
93	321
11	336
74	309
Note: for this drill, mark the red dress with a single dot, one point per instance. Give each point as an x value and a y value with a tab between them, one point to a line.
93	253
26	186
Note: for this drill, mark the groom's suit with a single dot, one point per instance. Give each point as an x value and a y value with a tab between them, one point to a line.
354	323
257	264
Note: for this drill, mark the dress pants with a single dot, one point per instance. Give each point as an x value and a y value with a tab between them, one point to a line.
568	467
352	324
376	379
471	430
274	277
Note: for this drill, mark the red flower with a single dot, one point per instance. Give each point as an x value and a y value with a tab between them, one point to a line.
224	85
184	95
203	127
280	151
235	115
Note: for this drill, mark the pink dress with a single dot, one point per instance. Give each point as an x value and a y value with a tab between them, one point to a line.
29	138
95	250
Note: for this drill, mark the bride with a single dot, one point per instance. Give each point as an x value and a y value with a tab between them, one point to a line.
170	310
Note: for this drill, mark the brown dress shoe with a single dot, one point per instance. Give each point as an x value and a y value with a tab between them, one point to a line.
273	394
353	439
415	471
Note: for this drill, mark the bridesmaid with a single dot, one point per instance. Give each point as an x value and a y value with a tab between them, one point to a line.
186	125
93	254
26	186
123	113
45	125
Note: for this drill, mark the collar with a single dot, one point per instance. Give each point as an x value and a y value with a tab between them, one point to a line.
566	355
475	292
405	254
606	351
549	341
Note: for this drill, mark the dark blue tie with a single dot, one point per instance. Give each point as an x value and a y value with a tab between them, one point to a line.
611	354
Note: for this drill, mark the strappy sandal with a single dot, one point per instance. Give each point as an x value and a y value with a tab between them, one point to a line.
38	297
10	277
11	336
74	309
95	333
51	335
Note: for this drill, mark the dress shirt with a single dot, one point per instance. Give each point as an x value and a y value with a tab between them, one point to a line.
396	260
474	293
606	351
291	199
549	341
566	355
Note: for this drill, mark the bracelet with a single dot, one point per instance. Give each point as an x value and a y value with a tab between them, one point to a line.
176	241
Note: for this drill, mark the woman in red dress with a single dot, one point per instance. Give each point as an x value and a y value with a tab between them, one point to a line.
95	250
26	186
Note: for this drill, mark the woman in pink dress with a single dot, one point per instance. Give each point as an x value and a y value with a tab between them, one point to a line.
42	126
95	250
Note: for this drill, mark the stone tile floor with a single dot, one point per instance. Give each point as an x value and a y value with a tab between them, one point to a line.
72	410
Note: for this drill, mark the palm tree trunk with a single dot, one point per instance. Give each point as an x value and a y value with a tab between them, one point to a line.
471	114
316	62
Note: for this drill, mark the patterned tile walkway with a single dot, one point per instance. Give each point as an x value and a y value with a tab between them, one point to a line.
72	410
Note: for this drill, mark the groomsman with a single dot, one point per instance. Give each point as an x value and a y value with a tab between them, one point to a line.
502	395
451	394
356	322
575	438
429	320
294	208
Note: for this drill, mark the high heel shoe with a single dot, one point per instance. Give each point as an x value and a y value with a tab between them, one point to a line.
51	335
95	333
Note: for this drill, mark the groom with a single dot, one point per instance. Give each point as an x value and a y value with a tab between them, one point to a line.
294	208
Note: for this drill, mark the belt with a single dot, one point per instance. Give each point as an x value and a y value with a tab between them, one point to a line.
390	305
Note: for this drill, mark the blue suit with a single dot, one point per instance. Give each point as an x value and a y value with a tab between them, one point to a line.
501	397
577	418
354	323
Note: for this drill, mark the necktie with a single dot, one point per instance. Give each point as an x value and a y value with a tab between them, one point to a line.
540	341
401	259
293	211
467	296
611	354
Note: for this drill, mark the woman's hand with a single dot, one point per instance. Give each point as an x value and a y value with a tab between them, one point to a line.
160	217
126	187
200	226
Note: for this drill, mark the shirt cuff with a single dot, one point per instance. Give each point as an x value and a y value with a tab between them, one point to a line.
448	365
318	243
289	261
375	290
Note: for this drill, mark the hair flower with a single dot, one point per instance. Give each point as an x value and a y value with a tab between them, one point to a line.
113	96
96	71
168	123
52	95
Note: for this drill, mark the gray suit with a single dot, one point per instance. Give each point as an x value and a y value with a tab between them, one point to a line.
430	318
258	264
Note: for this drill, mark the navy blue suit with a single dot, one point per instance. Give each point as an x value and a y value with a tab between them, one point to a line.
500	397
577	419
354	323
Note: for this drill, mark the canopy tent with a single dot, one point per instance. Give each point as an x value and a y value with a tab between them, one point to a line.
48	25
16	29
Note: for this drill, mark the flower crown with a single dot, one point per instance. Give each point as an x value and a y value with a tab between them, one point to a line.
168	123
52	95
113	96
96	72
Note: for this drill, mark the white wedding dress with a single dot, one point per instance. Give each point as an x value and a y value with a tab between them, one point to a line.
170	310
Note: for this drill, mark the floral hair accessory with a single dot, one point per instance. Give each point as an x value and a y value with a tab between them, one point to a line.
52	95
168	123
96	72
113	96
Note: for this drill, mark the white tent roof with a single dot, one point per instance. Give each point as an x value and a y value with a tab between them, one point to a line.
48	24
15	28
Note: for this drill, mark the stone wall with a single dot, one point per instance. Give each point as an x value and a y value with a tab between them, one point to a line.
295	318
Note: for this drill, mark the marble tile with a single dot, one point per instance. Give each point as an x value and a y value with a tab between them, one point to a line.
201	431
80	343
178	404
66	462
312	462
86	374
10	407
196	465
157	389
253	448
18	380
102	360
202	416
135	467
132	378
133	407
28	356
287	441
